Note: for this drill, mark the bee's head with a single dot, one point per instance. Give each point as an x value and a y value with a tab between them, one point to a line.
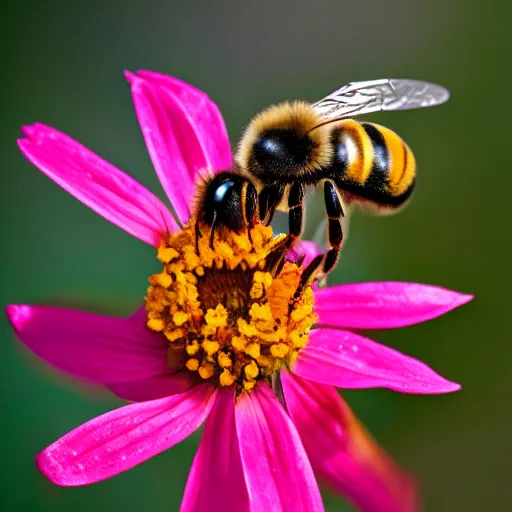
280	143
228	199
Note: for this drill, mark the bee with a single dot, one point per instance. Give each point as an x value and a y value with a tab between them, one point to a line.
292	146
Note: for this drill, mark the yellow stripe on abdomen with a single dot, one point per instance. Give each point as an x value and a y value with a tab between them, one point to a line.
401	166
359	151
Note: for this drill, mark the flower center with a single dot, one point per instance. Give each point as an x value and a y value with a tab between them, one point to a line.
230	313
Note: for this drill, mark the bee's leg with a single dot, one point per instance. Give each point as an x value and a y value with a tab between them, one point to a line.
335	215
295	212
249	198
198	236
310	273
324	263
269	199
212	229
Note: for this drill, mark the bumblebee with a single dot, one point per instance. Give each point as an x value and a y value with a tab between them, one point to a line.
291	146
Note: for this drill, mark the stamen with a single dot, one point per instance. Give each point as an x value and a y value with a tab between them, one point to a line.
230	312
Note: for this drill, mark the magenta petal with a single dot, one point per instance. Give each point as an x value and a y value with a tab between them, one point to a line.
102	187
181	137
346	360
384	305
97	348
303	249
204	115
216	479
342	453
120	439
277	471
153	388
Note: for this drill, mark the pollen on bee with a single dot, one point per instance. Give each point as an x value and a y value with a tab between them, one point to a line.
223	313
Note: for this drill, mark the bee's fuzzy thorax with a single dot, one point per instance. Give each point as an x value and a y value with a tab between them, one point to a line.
297	116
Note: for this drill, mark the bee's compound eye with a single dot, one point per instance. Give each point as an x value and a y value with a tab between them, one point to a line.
222	190
284	149
223	202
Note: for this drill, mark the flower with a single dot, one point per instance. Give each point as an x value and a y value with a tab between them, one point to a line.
216	327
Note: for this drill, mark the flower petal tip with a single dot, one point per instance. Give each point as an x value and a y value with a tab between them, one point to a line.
463	298
27	131
47	467
129	76
18	315
436	385
451	387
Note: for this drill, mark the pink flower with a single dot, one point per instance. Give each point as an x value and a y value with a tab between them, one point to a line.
253	455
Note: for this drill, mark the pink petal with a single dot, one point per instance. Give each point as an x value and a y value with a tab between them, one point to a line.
342	453
203	113
153	388
98	184
216	479
346	360
184	133
277	471
120	439
97	348
304	249
384	305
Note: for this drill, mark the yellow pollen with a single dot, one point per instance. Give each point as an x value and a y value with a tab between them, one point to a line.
224	312
280	350
217	317
302	313
210	347
224	360
206	371
179	318
192	348
297	339
164	280
192	365
251	370
226	378
174	335
248	385
253	350
167	254
265	361
238	343
156	324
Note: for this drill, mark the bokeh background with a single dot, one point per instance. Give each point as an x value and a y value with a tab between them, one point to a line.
62	63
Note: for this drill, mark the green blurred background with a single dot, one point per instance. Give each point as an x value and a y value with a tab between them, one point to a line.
62	64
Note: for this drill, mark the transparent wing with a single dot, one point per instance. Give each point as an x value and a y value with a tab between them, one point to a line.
359	98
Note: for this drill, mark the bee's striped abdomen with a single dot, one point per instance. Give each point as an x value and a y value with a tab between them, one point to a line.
372	162
394	163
